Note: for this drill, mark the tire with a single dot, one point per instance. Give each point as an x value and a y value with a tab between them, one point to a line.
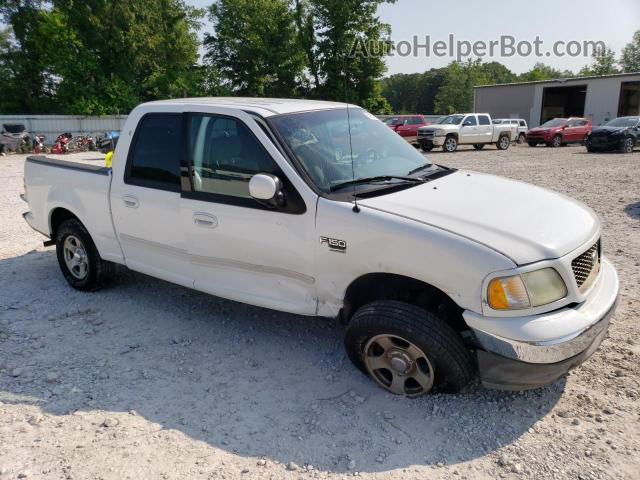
533	144
627	146
426	148
478	146
450	145
556	142
451	365
522	139
84	269
504	142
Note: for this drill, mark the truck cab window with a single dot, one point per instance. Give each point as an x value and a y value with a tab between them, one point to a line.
484	120
470	121
155	159
225	155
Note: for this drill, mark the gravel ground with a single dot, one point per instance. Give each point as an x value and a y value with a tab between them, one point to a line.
147	380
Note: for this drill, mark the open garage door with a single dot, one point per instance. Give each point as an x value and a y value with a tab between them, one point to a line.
629	99
563	102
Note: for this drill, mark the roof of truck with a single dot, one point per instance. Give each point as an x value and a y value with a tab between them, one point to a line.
263	106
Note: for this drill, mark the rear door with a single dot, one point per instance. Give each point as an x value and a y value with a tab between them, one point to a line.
485	129
145	198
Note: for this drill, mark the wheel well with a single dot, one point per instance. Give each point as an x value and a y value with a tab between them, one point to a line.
387	286
454	135
58	216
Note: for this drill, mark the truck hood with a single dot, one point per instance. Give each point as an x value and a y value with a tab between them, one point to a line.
523	222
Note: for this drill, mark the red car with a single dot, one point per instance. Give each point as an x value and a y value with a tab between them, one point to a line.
560	131
407	125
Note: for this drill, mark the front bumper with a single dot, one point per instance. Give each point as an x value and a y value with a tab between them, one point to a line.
521	364
606	143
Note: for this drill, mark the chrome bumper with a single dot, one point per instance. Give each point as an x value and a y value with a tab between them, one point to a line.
596	313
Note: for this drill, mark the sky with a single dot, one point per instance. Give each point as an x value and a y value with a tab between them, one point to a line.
611	21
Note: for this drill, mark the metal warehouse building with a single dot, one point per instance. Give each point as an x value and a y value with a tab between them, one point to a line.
596	98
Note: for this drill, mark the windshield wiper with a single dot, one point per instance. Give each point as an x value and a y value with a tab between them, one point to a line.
380	178
421	167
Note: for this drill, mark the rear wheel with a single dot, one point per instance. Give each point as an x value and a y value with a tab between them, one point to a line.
503	143
522	139
79	260
478	146
450	145
407	350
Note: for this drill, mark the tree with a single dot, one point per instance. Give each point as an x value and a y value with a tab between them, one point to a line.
630	60
540	72
254	46
97	56
456	93
603	63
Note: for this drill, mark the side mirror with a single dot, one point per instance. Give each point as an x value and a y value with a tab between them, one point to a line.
266	189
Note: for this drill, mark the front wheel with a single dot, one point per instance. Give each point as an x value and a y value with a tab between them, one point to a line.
407	350
426	148
478	146
78	257
627	146
450	145
504	143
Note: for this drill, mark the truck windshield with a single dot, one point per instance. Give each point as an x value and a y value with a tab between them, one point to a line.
451	120
321	142
622	122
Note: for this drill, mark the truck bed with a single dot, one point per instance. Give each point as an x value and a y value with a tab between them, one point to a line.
81	189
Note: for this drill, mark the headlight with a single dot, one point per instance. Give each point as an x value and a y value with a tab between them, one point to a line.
532	289
439	132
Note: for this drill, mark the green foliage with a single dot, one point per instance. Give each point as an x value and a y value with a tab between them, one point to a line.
540	72
97	56
630	60
255	48
603	63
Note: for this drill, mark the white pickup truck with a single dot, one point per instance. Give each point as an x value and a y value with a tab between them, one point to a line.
321	210
475	129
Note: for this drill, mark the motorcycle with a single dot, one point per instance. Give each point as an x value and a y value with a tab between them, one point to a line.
62	143
38	145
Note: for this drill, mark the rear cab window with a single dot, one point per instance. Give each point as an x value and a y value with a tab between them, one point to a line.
484	120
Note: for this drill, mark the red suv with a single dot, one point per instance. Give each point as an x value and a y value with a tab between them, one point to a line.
560	131
407	125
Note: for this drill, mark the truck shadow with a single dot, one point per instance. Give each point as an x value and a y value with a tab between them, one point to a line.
250	381
633	210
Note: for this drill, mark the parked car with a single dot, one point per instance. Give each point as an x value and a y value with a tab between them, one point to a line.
407	125
437	273
559	132
13	137
621	134
519	122
466	129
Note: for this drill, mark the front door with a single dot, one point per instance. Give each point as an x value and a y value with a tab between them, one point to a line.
240	249
469	130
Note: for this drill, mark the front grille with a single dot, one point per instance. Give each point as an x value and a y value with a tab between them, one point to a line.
426	134
586	266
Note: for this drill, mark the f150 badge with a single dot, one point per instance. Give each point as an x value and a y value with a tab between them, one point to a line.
335	245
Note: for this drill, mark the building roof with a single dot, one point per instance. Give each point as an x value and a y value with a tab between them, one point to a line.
561	80
263	106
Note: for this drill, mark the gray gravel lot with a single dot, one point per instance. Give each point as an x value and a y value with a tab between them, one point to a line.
148	380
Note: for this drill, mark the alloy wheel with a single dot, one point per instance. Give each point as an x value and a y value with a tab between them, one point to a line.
75	257
398	365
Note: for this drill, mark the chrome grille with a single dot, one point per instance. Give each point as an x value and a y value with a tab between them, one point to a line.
586	266
427	134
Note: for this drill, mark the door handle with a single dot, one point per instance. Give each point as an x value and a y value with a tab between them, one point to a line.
131	201
205	220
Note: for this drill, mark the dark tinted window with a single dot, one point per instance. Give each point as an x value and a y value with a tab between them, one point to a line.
470	121
522	123
414	121
225	155
484	120
155	160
